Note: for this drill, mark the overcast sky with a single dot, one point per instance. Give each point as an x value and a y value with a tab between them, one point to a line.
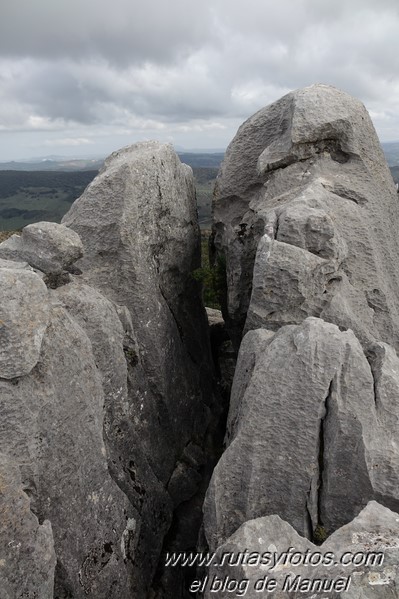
84	77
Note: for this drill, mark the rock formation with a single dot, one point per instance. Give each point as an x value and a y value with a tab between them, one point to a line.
24	316
305	213
306	219
114	380
27	557
137	222
358	561
312	435
49	247
106	392
52	429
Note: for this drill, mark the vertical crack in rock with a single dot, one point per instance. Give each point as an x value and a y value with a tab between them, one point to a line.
319	527
374	358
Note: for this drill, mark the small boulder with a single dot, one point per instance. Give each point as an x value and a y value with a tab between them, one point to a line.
49	247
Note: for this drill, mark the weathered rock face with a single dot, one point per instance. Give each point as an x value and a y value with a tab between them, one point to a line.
137	222
106	384
52	427
307	173
24	314
301	214
311	433
268	551
115	354
49	247
27	557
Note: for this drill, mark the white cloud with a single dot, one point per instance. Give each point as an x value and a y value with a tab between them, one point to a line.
68	141
187	71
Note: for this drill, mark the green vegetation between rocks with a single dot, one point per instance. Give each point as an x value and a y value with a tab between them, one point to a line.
212	277
319	535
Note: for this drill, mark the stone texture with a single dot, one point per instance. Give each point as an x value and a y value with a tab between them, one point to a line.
215	317
311	433
23	320
49	247
374	531
128	443
52	428
27	557
307	175
138	224
13	265
10	248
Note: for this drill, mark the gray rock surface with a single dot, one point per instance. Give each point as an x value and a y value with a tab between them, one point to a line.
11	264
106	391
362	557
308	176
137	221
52	428
311	432
27	557
128	445
23	320
215	317
49	247
10	248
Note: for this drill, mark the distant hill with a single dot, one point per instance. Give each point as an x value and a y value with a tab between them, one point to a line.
395	173
205	160
194	159
53	165
47	190
391	151
202	160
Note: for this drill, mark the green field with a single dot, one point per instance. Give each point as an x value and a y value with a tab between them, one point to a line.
29	197
204	183
32	196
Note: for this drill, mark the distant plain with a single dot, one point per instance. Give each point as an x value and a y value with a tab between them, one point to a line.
44	190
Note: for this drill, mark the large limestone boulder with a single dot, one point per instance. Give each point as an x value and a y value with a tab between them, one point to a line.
127	439
306	177
138	224
266	557
24	314
27	557
311	432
